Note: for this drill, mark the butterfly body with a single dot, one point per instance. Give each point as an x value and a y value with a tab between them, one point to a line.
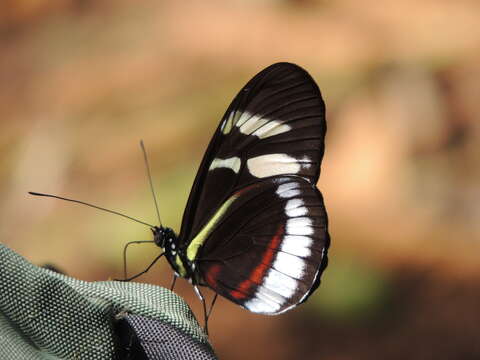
255	228
166	239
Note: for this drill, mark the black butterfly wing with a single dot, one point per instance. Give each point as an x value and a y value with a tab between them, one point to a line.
275	126
269	247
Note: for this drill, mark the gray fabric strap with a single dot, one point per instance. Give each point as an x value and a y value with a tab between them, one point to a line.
162	341
46	315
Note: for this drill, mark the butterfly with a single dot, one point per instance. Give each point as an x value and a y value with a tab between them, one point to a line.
255	228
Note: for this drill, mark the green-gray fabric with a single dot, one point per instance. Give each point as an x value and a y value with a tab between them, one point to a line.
46	315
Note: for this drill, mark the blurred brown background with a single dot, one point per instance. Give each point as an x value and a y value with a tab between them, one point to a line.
81	82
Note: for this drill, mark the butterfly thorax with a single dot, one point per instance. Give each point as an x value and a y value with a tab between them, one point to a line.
166	239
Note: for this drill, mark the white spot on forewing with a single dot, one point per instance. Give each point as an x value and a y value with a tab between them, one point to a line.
256	125
223	128
290	265
242	118
248	124
297	245
229	121
272	164
295	208
299	226
270	128
230	163
259	126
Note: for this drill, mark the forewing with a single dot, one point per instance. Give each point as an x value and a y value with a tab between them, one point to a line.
275	126
268	250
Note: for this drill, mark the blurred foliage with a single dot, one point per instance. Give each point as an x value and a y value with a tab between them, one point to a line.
352	291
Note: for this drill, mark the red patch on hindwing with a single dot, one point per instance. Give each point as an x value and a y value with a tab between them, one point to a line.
246	189
212	274
213	271
260	270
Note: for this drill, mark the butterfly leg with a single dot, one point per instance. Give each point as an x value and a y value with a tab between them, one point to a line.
211	306
144	271
174	280
125	254
202	299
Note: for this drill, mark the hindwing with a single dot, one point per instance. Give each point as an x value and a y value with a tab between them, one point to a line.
267	249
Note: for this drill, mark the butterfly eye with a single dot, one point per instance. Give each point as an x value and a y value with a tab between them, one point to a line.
159	237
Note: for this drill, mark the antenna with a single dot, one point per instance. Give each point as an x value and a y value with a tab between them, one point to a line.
150	180
91	205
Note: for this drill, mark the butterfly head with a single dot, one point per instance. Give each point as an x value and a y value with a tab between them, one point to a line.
164	237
